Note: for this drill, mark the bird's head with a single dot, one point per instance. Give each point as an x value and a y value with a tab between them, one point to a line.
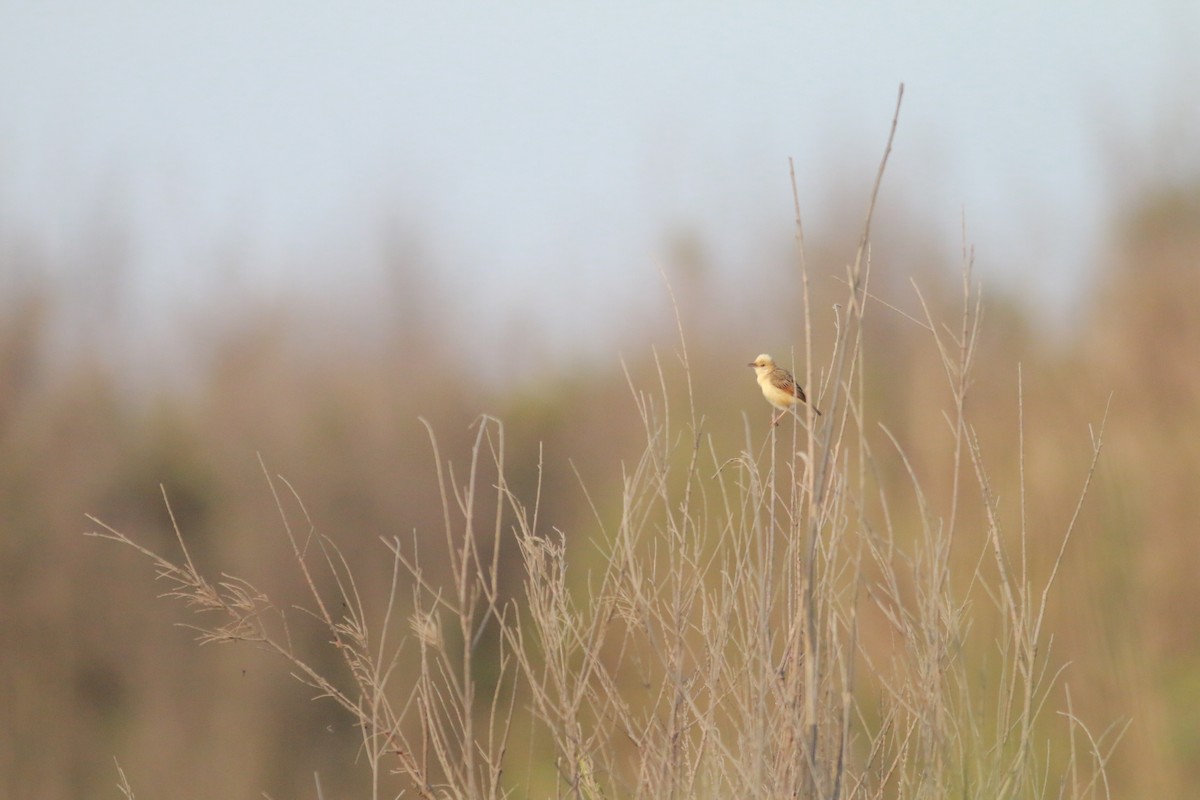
763	363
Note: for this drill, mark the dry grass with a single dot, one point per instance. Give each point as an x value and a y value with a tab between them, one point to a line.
708	642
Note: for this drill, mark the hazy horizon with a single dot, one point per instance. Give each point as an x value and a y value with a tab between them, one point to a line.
542	160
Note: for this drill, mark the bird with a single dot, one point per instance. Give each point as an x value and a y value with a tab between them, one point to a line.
778	386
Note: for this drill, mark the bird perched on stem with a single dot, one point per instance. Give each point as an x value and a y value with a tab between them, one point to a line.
778	386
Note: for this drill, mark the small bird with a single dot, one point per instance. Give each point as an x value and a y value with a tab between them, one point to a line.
778	386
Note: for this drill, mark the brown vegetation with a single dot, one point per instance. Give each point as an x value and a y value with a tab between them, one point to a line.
645	595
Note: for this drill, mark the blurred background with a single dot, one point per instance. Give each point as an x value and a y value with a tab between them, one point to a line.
287	230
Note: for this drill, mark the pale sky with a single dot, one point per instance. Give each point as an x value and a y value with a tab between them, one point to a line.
543	153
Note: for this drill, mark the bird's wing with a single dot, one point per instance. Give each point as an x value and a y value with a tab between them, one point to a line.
783	379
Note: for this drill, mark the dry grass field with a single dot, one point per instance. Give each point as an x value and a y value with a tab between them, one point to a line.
338	576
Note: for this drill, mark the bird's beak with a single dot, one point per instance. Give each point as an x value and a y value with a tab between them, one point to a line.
752	364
